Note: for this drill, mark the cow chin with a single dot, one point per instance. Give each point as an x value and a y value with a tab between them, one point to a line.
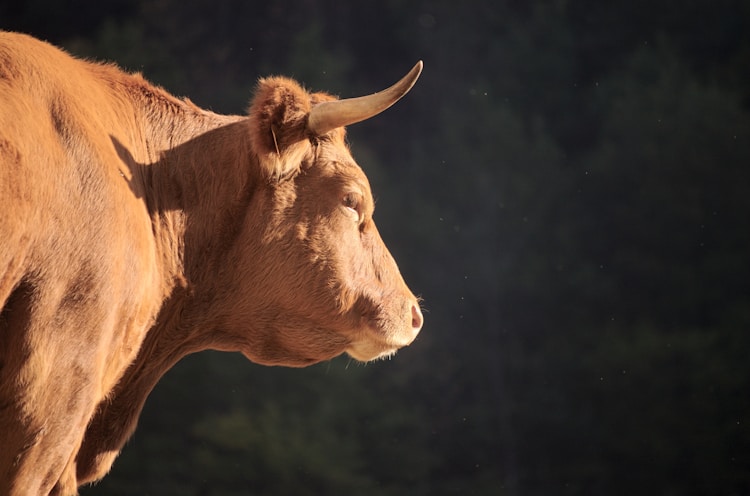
375	345
367	352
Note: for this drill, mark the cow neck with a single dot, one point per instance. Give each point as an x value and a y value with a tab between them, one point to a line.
194	183
117	416
197	186
198	181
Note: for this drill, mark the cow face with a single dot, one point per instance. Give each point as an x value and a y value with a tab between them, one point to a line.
322	280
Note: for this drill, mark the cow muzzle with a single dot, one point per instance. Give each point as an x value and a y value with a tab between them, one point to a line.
375	343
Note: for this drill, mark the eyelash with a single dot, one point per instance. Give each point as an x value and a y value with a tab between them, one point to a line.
352	201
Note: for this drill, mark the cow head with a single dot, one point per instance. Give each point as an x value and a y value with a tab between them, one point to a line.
321	279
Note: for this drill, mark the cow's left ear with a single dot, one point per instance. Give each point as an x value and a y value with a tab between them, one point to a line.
278	126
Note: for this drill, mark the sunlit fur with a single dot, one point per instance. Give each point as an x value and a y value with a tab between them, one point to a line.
138	228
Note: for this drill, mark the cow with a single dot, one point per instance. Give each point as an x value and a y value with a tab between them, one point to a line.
137	228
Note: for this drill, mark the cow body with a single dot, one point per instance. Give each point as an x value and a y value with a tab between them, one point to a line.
137	228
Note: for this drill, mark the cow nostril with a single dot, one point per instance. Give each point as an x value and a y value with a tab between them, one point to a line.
416	317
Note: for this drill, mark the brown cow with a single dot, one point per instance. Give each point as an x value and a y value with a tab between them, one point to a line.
137	228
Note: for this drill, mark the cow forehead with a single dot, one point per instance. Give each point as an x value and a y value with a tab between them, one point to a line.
336	161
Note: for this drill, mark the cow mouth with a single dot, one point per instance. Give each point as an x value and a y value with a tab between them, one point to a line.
375	345
363	354
382	331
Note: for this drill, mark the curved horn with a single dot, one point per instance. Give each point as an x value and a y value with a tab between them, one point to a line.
326	116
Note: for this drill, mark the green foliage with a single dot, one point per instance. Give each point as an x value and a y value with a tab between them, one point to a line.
566	188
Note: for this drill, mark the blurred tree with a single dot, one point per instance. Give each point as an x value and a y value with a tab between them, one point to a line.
57	21
671	160
648	349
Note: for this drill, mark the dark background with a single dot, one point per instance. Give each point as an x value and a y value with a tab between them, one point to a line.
567	187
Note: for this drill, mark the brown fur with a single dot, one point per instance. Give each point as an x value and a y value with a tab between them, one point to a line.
137	228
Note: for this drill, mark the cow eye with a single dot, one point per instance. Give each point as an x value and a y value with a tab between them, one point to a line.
352	202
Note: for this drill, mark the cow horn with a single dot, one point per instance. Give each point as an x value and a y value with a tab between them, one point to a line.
326	116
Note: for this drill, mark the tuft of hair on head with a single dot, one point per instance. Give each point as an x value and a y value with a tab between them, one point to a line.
278	126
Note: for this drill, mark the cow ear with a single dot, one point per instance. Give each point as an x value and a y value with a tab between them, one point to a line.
278	126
